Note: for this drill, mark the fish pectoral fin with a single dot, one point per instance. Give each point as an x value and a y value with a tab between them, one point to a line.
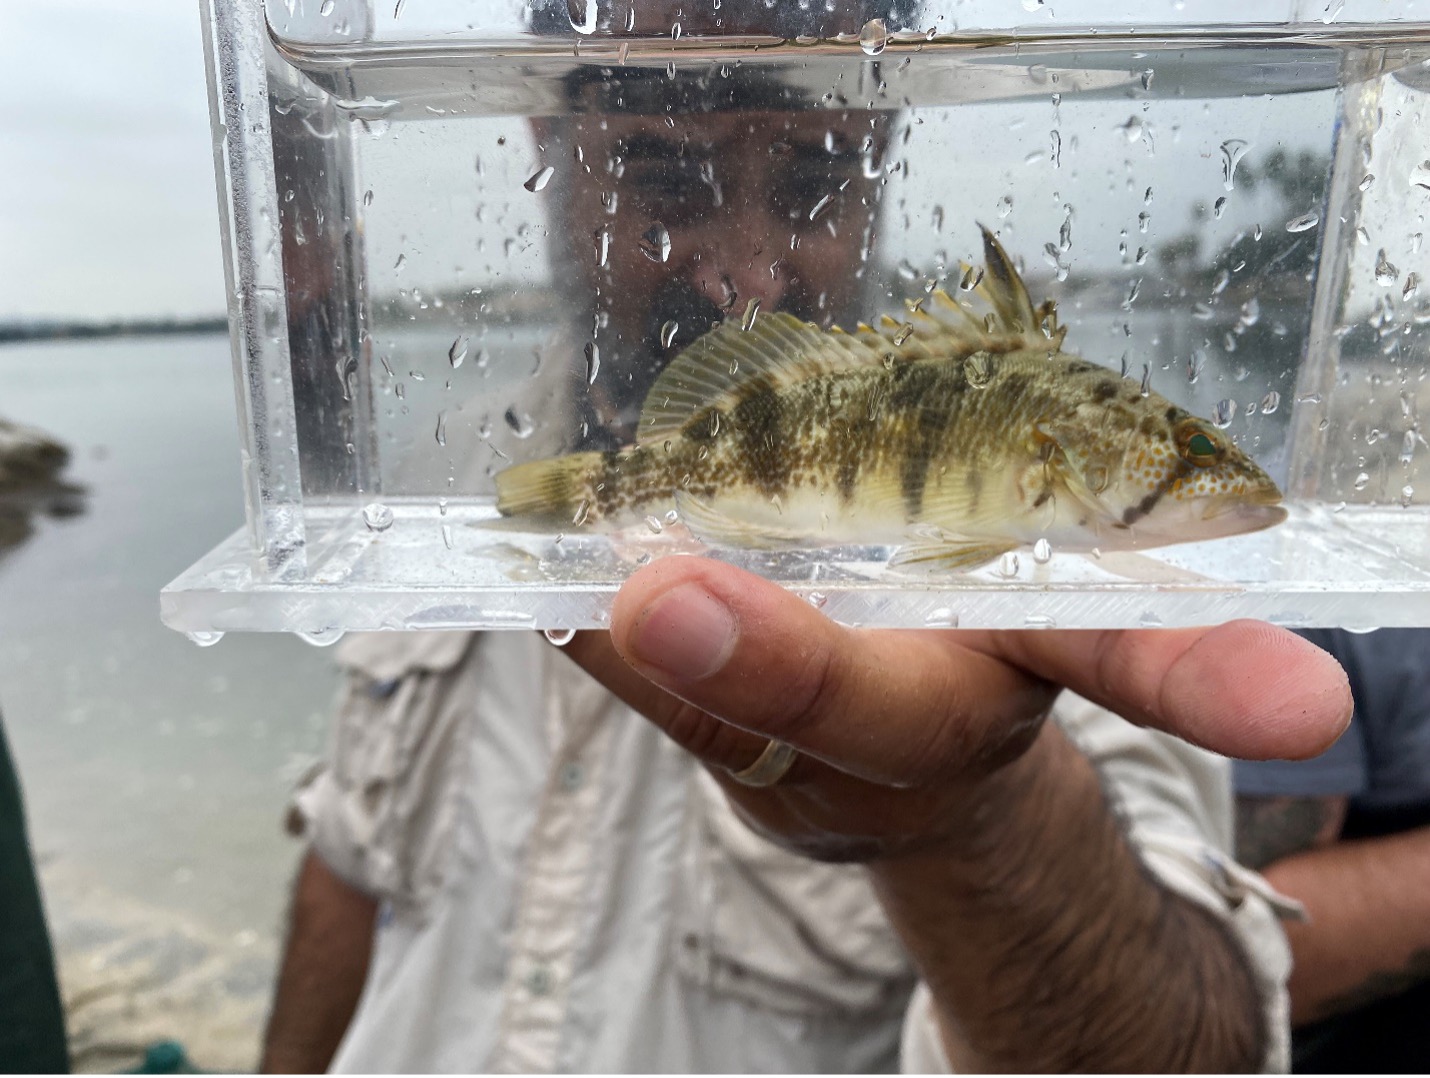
955	555
710	525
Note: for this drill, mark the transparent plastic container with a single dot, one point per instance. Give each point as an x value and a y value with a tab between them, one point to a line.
465	235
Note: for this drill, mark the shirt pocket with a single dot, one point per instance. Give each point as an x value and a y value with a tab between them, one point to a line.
766	926
381	808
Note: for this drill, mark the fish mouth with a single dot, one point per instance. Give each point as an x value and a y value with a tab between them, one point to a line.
1248	513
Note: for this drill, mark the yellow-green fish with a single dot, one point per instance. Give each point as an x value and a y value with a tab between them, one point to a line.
955	434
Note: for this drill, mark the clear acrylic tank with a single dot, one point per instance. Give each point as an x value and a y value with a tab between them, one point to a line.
465	234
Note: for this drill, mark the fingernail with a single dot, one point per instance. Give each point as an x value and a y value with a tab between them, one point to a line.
687	635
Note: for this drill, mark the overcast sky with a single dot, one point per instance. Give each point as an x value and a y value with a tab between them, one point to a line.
107	202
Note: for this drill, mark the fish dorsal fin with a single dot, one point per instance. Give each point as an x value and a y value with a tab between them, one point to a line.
718	370
943	326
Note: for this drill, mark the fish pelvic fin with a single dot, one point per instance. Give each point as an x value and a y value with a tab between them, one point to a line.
551	491
951	555
730	364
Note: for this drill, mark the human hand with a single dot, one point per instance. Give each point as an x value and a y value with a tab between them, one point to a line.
900	731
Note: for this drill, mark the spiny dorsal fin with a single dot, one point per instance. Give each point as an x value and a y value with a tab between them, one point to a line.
943	325
778	350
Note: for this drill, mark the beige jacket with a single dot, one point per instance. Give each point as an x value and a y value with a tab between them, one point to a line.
565	890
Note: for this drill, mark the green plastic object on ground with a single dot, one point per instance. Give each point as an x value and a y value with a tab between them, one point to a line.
166	1057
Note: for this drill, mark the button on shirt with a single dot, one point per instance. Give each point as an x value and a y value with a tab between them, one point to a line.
564	889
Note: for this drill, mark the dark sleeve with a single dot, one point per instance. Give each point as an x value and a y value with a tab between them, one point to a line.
32	1029
1395	665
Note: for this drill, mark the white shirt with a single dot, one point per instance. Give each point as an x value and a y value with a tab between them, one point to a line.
563	889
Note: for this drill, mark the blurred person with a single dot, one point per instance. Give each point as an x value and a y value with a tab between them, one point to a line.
1348	835
32	1026
602	859
32	1021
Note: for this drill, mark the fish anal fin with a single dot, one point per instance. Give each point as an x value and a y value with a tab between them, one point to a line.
716	371
951	555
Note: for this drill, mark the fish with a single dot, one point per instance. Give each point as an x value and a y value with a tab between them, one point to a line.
956	435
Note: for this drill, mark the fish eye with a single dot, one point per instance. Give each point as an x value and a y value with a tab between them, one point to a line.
1198	449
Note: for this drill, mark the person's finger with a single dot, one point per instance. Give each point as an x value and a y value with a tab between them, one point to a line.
1244	689
706	737
896	708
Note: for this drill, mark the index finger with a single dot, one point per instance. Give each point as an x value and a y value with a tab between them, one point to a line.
1243	689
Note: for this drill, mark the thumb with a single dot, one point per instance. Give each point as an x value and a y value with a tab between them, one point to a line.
895	708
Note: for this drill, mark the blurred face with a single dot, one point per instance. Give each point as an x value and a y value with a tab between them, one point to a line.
687	219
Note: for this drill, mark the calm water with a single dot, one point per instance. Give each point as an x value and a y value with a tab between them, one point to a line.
155	771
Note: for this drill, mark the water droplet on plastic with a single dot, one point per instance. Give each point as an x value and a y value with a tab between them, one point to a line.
752	312
1232	151
668	332
441	434
654	524
817	599
367	197
1407	493
1042	551
943	618
457	353
1412	285
1005	206
978	369
1304	223
326	8
1133	129
583	513
593	362
1407	447
205	638
321	638
1361	481
1040	621
873	37
903	333
1386	272
971	277
1218	206
582	15
1420	175
538	180
1008	564
1270	402
820	206
1196	363
520	424
377	517
655	243
559	637
1224	413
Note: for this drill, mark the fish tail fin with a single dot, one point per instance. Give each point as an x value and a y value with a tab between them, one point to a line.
548	489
